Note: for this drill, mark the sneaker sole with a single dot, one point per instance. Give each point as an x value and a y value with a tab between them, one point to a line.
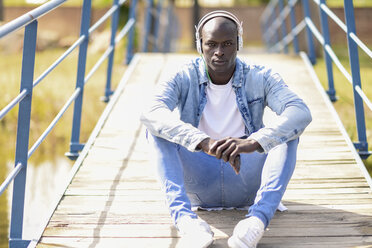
234	242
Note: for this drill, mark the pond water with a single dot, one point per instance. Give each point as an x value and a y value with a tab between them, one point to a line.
44	182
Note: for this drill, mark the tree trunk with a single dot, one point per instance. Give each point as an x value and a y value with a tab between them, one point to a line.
1	11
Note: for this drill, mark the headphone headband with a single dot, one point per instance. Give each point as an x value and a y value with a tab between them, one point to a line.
219	13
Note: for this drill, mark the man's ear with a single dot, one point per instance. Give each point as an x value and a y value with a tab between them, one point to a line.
201	45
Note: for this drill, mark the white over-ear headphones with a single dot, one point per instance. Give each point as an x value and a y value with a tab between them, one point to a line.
214	14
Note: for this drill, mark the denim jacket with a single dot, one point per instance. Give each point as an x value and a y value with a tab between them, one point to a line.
255	88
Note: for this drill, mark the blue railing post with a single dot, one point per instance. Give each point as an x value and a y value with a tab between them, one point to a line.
75	146
114	27
169	30
362	145
310	42
269	25
23	130
263	30
325	31
147	25
270	36
284	29
132	15
293	25
157	25
275	38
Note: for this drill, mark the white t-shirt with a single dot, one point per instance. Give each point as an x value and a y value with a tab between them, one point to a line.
221	117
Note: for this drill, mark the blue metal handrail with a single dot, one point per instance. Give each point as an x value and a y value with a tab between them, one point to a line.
29	21
271	21
151	34
27	18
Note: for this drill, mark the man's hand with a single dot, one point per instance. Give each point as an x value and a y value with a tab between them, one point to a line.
206	145
229	149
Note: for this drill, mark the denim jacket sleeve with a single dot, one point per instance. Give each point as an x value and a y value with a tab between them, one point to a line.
293	114
161	122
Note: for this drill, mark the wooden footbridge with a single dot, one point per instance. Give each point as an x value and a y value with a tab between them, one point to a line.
114	199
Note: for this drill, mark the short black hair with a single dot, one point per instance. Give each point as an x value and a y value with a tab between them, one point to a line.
201	28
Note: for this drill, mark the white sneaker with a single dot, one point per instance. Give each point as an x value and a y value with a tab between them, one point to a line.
247	233
195	232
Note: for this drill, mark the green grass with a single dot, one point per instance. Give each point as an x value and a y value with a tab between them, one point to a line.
344	106
357	3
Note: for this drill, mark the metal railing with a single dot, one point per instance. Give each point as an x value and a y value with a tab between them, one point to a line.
153	40
275	17
29	22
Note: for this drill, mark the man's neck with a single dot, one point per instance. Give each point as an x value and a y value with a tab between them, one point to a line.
221	78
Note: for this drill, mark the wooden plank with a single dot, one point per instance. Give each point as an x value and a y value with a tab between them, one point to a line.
220	230
267	242
142	182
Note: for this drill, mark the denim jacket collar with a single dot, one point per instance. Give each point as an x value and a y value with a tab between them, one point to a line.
238	74
203	77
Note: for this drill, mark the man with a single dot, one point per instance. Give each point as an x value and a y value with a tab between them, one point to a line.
217	153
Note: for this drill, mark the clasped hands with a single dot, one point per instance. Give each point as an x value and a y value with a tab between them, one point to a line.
229	149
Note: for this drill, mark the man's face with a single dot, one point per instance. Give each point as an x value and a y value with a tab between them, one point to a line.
219	44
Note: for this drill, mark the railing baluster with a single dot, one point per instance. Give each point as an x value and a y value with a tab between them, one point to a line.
147	25
293	25
132	15
270	25
284	28
114	27
157	25
310	42
75	145
169	30
325	31
362	145
263	31
23	131
274	17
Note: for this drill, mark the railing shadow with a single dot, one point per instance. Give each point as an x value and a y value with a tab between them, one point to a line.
103	216
304	225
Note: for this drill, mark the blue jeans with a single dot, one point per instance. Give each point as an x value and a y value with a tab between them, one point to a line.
197	179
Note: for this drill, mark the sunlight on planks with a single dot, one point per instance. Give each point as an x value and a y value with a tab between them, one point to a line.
114	199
